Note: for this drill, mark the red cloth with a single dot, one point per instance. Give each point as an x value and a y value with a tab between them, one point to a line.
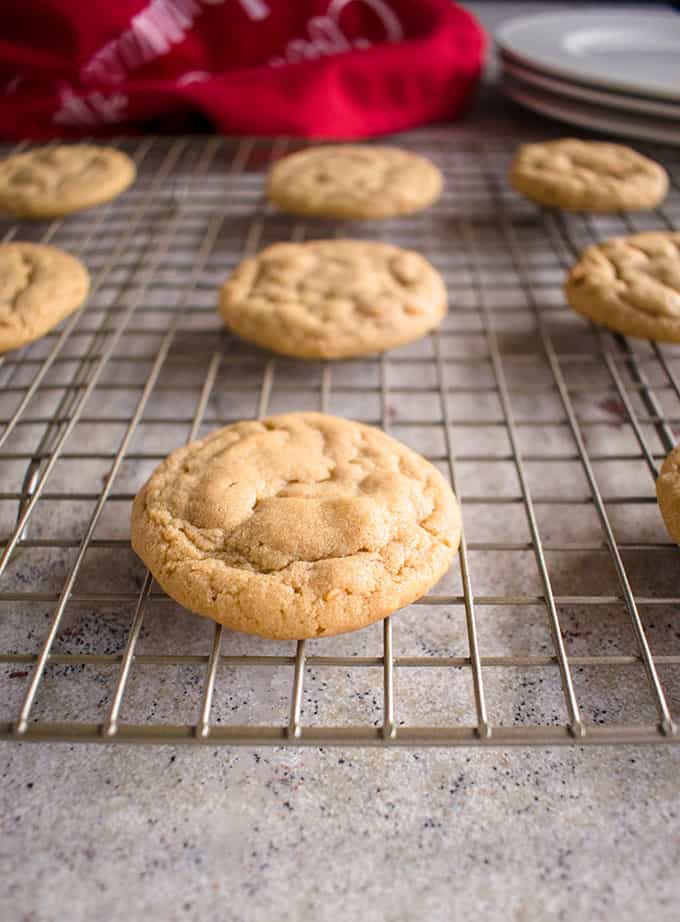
324	68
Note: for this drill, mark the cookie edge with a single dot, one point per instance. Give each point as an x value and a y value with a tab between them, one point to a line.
668	493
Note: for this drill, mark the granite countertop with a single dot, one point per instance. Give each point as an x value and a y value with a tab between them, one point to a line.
168	833
218	833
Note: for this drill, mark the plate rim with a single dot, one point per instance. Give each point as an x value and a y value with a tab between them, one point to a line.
581	17
596	95
589	121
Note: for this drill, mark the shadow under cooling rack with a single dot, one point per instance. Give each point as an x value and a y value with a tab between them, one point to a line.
559	622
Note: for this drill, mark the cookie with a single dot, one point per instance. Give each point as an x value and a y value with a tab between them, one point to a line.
333	298
353	181
587	176
303	525
48	182
39	286
631	285
668	493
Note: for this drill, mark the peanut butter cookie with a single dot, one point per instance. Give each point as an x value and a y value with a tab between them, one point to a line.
39	286
587	176
48	182
631	285
353	181
333	298
302	525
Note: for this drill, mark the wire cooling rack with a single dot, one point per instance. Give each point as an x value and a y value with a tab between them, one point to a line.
558	624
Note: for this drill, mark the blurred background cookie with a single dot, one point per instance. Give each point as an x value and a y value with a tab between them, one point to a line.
48	182
353	181
587	176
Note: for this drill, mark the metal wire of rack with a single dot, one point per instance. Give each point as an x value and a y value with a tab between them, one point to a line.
559	623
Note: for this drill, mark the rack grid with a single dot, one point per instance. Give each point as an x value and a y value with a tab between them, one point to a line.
559	622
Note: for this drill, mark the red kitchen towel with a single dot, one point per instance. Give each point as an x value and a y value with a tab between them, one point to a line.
324	68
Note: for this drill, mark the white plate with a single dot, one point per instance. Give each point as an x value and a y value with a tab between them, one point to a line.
668	110
598	118
617	49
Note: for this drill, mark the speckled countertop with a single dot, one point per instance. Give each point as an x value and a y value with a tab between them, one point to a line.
217	833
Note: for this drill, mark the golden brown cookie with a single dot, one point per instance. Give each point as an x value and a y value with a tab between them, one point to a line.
353	181
48	182
631	285
39	286
668	493
333	298
302	525
587	176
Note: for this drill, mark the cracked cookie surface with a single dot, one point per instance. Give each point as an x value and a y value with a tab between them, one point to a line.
631	285
59	179
39	286
587	176
333	298
668	493
353	181
302	525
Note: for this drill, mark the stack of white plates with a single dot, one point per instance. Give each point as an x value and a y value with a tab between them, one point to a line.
612	71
